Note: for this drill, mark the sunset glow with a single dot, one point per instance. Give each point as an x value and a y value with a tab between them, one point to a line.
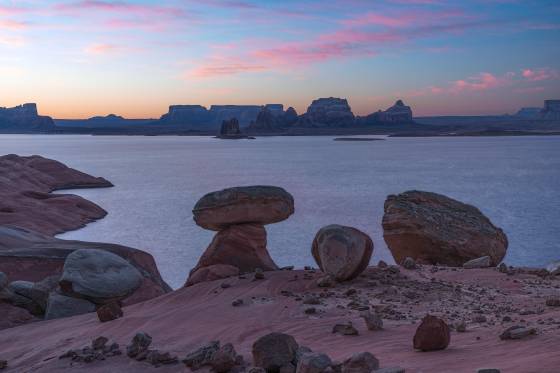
82	58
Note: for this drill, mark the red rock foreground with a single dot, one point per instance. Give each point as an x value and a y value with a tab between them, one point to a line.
26	202
484	302
31	260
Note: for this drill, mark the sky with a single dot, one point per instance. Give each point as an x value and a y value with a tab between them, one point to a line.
80	58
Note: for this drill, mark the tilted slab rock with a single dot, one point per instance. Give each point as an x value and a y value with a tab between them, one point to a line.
99	276
434	229
26	202
251	204
342	252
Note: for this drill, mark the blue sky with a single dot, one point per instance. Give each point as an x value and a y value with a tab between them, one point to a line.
134	58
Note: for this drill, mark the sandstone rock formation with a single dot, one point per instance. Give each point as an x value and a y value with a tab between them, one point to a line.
251	204
99	276
239	215
230	128
31	256
25	199
551	110
342	252
197	117
240	247
432	334
273	118
29	214
432	228
60	305
399	113
24	118
328	112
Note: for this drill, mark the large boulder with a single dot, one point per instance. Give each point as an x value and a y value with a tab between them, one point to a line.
434	229
251	204
342	252
241	247
98	276
59	306
432	334
274	351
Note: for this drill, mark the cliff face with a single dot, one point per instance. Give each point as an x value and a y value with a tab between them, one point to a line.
399	113
551	110
198	117
24	118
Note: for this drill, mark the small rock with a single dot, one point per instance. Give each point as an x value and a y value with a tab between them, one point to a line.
345	329
326	281
517	332
201	356
382	264
373	320
139	345
363	362
237	302
432	334
310	311
224	359
158	358
310	299
503	268
461	327
3	363
488	370
274	350
99	343
312	362
480	319
110	311
256	370
482	262
259	274
409	263
553	302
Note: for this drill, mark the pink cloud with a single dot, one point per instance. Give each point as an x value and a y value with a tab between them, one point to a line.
10	10
101	49
121	7
12	41
480	82
220	65
378	19
540	74
12	25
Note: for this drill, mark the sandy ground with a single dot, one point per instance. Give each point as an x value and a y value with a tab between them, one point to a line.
187	318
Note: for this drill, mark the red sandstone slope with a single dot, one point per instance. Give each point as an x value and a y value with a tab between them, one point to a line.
26	202
187	318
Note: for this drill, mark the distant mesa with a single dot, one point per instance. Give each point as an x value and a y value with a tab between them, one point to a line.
24	118
529	113
273	118
327	112
399	113
198	117
110	117
551	110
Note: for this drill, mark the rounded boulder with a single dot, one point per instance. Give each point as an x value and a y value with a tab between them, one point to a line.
239	205
342	252
99	276
434	229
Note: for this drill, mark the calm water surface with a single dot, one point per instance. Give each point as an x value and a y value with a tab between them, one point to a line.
513	180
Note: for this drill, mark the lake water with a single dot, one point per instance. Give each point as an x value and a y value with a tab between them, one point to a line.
513	180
